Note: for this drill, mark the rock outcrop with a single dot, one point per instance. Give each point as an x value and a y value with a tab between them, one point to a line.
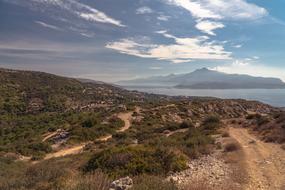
122	184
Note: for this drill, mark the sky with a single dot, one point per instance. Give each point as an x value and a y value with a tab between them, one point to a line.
112	40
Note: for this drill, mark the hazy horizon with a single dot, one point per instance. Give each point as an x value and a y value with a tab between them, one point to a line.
112	41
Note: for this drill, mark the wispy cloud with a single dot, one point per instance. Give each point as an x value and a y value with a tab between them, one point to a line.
163	17
221	9
237	46
144	10
87	35
182	50
82	32
155	68
43	24
181	60
208	27
67	9
208	12
42	48
196	8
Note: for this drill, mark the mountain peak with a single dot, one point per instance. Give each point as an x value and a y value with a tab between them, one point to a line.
204	69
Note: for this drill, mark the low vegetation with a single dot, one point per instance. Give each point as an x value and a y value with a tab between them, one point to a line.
95	180
157	155
42	113
118	162
147	182
271	129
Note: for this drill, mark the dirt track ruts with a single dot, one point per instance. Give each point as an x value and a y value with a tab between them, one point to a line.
265	161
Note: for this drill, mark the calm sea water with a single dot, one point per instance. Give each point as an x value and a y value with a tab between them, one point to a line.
275	97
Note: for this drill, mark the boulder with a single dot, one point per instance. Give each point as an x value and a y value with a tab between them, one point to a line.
122	184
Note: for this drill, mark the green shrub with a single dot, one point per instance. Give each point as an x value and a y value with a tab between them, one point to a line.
186	124
211	123
211	119
280	118
197	143
87	123
262	120
116	122
252	116
137	160
194	142
231	147
41	147
37	157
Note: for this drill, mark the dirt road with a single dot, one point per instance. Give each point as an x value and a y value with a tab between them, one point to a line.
126	117
105	138
49	135
265	161
66	151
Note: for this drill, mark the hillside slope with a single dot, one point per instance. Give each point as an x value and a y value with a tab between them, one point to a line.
33	104
27	91
48	120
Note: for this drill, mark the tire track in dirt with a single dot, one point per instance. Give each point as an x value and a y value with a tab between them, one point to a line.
265	161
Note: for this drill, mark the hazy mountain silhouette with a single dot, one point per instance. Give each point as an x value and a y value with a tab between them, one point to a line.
208	79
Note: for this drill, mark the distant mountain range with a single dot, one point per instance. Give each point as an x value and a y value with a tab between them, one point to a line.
208	79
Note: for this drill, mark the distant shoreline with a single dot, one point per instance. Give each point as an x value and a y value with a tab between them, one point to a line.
273	97
178	87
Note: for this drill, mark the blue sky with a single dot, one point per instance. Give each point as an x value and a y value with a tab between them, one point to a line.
115	40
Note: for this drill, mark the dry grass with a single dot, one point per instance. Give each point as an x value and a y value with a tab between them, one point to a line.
147	182
96	180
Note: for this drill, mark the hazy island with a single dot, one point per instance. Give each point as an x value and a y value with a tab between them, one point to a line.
208	79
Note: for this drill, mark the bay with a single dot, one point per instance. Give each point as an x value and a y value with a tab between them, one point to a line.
274	97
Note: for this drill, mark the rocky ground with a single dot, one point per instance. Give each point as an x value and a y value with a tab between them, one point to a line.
210	168
255	166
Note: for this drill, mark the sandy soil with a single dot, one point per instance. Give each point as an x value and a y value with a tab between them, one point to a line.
105	138
66	151
49	135
265	162
177	131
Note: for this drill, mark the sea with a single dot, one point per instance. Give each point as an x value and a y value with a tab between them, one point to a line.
274	97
